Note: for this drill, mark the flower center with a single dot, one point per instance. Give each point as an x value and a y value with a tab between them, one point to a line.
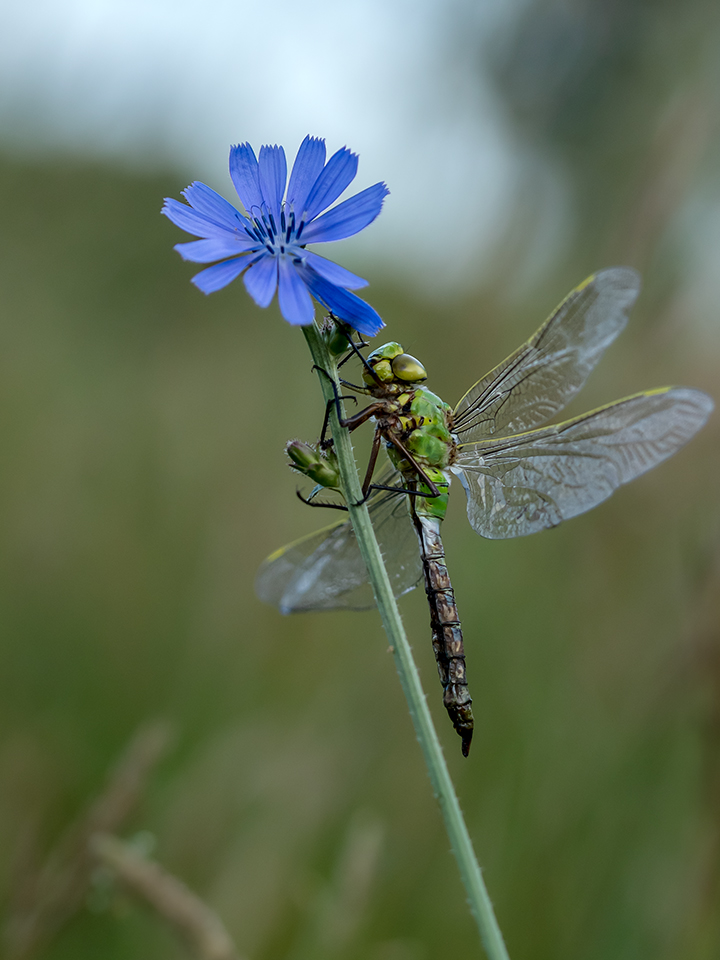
278	239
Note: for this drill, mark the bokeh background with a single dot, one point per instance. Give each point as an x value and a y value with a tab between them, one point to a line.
143	480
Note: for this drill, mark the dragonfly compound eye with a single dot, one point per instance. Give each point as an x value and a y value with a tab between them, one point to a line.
408	369
380	360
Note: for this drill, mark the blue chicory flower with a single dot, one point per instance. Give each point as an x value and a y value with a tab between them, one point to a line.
269	243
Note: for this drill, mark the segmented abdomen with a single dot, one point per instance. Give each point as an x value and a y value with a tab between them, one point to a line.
447	635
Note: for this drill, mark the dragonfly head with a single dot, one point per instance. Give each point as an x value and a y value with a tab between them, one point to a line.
391	365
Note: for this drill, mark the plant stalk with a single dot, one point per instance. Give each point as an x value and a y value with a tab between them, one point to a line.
460	842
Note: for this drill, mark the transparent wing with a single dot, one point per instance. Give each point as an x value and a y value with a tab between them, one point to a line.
539	379
325	571
519	485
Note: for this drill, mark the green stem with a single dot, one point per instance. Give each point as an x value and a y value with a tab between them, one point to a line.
409	678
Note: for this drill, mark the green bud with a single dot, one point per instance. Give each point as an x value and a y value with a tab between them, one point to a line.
313	463
325	474
301	454
336	341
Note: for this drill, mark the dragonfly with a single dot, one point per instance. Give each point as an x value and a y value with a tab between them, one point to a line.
520	475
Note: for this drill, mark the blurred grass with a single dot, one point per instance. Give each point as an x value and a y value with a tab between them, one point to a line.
142	483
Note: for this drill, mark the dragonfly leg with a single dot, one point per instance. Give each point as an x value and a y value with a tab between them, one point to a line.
371	463
383	486
358	419
324	444
434	492
353	386
354	351
351	423
368	486
351	354
364	362
319	503
355	348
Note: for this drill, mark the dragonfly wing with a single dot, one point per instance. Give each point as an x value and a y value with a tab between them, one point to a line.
519	485
325	571
540	378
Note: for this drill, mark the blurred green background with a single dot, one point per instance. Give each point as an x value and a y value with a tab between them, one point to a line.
143	481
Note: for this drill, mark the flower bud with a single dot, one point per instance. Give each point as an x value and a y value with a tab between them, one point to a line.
301	454
312	463
336	341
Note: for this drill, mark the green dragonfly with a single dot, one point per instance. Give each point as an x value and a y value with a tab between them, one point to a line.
519	476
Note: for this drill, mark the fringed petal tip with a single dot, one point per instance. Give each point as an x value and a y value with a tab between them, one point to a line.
343	304
337	174
194	221
366	320
245	176
347	218
272	173
206	201
308	164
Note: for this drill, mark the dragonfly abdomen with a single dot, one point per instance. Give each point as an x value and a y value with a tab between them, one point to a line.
447	638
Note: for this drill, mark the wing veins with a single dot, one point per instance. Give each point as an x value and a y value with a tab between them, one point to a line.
325	570
504	397
568	468
473	408
559	356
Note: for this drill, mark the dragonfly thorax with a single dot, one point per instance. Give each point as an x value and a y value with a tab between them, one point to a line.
425	422
417	417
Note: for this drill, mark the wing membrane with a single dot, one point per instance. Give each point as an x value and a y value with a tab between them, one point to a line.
519	485
325	571
543	375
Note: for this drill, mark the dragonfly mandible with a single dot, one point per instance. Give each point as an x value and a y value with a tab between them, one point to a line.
520	476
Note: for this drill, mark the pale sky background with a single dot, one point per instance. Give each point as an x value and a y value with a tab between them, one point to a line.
176	82
173	83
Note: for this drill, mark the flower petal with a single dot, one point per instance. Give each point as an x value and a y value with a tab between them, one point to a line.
203	199
332	271
338	173
347	218
346	306
272	168
244	173
261	280
295	302
220	274
196	223
308	165
218	248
